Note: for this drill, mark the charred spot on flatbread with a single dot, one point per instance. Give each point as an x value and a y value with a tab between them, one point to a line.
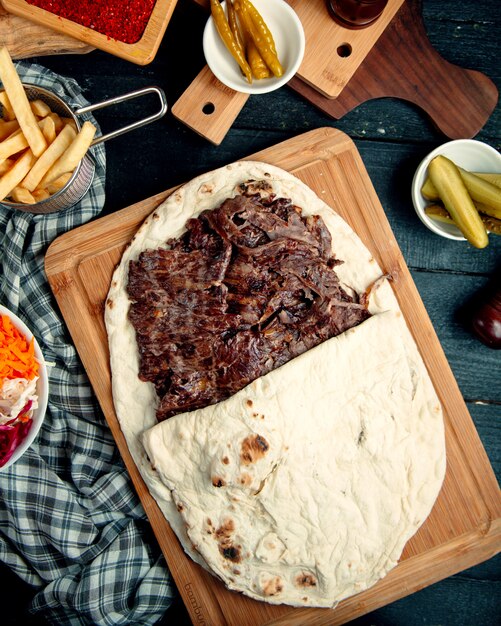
305	579
253	448
362	435
245	479
217	481
271	585
206	188
227	548
225	530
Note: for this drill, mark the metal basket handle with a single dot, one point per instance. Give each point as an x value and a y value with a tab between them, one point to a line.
123	98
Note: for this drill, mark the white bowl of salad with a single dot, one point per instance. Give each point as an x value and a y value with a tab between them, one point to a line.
23	388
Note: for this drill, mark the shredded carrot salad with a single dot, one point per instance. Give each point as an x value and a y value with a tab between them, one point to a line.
17	355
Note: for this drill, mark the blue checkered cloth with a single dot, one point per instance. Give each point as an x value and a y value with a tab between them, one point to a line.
71	524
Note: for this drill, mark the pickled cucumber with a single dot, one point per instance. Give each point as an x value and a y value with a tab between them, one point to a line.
440	214
488	210
482	191
492	224
430	193
452	191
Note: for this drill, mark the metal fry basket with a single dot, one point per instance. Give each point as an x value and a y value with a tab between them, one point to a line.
81	180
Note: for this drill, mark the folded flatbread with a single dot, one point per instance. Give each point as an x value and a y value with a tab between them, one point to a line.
304	487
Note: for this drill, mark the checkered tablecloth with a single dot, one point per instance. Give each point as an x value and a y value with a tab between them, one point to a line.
71	524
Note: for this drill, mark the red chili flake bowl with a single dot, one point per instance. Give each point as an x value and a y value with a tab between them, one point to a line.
117	19
130	29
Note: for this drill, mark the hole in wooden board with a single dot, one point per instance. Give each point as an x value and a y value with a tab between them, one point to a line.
344	50
208	108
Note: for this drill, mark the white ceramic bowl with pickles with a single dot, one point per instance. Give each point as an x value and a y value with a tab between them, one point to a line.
288	34
471	155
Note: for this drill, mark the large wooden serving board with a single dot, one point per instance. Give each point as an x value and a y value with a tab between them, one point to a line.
464	526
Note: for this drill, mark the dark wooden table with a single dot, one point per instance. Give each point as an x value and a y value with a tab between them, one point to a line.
392	137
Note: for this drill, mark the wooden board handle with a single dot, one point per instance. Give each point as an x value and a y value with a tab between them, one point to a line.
208	107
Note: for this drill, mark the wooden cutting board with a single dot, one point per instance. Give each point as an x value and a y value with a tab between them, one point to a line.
464	527
392	58
25	39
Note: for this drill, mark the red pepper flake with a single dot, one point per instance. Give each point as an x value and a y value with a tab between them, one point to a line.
124	20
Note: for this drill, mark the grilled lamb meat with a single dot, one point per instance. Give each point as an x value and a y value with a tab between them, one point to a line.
249	286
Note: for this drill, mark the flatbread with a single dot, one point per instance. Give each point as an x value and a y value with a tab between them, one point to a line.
305	486
136	401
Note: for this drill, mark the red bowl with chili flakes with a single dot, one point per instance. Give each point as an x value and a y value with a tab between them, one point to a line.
130	29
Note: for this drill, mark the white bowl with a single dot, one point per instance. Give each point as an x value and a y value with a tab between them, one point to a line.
42	391
469	154
288	34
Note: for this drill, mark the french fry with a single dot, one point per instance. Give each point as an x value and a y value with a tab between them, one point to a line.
13	144
73	155
59	183
16	174
8	111
20	104
40	108
60	144
21	195
58	121
17	141
48	128
71	122
7	128
41	194
6	165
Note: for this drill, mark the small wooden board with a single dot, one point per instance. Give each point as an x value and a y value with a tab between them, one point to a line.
464	527
141	53
23	38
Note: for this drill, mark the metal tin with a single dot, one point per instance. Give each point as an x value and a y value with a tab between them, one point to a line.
81	180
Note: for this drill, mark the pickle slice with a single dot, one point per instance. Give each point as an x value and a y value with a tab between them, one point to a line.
482	191
440	214
452	191
492	224
429	191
